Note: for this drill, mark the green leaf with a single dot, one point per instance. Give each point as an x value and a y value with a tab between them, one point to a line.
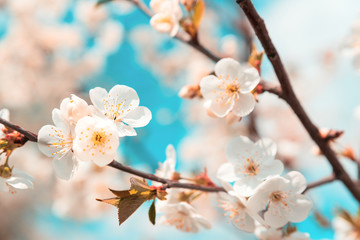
152	213
101	2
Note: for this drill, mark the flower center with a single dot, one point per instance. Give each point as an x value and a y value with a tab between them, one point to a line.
278	197
232	88
98	138
251	168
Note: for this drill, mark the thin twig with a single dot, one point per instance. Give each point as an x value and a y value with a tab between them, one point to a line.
29	135
167	183
181	36
289	96
320	182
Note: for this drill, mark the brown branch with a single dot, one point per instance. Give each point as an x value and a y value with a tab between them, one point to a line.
320	182
181	36
289	96
167	183
29	135
114	164
271	88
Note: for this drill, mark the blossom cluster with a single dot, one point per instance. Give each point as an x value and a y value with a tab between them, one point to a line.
259	194
177	209
167	16
83	132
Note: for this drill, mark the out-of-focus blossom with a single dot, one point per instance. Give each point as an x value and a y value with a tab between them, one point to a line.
57	142
109	36
351	45
346	226
58	56
96	140
264	233
121	105
167	16
234	206
230	89
250	164
281	200
184	217
90	15
84	189
167	169
11	179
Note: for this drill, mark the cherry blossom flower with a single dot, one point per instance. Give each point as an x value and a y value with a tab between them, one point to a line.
235	208
167	169
74	108
121	105
184	217
11	179
96	140
346	226
280	200
167	16
57	142
230	89
250	164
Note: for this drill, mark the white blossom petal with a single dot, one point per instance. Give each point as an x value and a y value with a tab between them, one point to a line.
239	149
60	122
211	86
249	80
65	166
97	96
53	142
271	168
244	105
221	106
268	147
125	130
247	186
20	183
5	114
300	206
274	216
138	117
297	180
226	173
227	67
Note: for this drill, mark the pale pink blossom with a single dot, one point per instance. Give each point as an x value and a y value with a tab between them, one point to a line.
230	88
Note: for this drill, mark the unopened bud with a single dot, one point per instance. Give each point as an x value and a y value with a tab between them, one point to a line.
330	134
349	153
175	176
190	91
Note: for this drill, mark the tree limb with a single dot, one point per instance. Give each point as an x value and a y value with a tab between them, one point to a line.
289	96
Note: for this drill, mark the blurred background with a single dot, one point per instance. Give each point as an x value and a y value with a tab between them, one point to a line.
50	49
